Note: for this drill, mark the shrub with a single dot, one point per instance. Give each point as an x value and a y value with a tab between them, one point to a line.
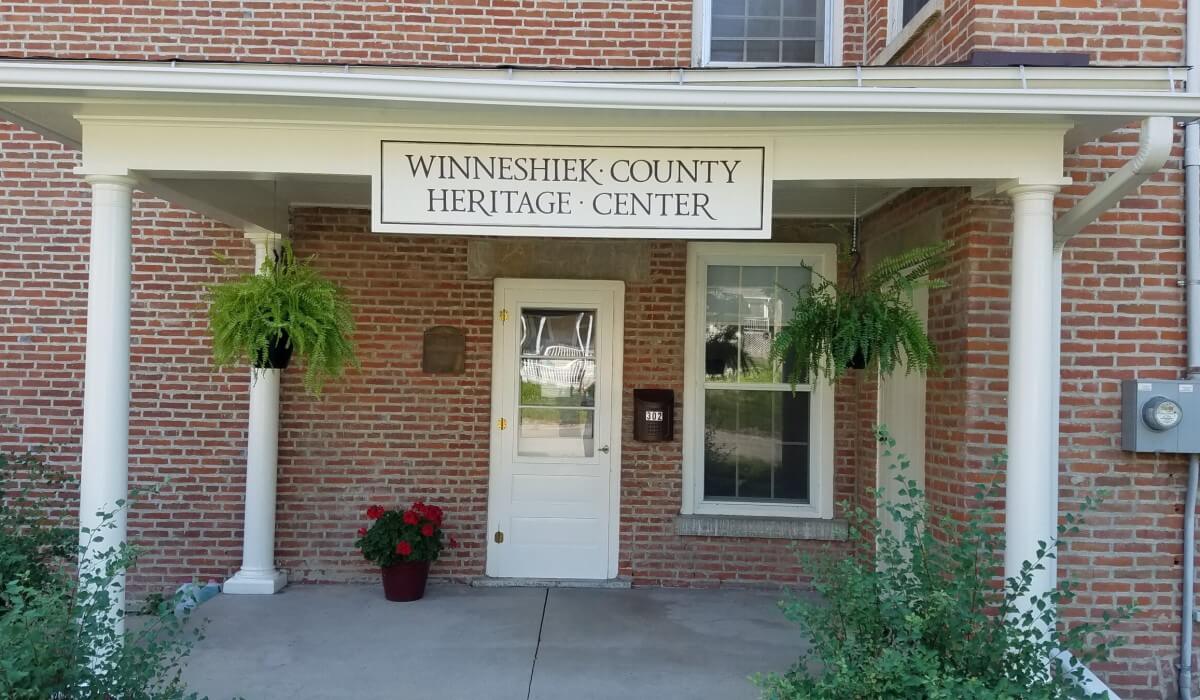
922	615
57	639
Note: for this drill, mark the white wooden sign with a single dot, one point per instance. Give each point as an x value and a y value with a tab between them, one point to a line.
516	189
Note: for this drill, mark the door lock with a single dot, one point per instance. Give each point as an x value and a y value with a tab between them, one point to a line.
604	449
499	537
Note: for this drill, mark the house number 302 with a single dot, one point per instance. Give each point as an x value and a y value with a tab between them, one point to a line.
654	416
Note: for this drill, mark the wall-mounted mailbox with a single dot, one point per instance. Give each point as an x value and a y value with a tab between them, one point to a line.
653	415
1160	416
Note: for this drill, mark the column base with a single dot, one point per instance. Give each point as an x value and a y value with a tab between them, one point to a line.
255	583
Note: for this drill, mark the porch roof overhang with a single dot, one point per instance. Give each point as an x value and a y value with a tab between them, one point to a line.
197	133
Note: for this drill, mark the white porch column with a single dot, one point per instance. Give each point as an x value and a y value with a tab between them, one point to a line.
104	470
258	574
1032	479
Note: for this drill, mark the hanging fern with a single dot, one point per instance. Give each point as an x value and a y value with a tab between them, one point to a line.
871	317
287	299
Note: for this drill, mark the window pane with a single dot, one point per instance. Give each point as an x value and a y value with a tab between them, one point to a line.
763	8
729	28
762	51
555	432
745	308
558	382
727	51
729	7
756	445
558	333
763	28
800	51
911	7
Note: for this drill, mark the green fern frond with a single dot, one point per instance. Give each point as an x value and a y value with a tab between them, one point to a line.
247	315
872	316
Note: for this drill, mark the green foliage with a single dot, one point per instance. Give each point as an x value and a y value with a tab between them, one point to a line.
57	639
921	614
871	317
288	299
30	543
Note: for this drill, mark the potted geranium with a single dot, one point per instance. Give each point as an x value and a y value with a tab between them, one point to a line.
288	306
403	543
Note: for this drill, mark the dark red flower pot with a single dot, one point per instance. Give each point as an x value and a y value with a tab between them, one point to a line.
405	581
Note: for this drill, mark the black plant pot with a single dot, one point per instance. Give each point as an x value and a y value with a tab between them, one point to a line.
859	361
279	353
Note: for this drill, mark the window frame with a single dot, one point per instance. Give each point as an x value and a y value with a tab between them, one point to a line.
901	32
702	38
822	258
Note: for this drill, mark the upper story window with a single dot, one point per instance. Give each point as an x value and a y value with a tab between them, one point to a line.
766	31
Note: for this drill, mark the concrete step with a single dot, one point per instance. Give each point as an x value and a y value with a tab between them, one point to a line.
489	582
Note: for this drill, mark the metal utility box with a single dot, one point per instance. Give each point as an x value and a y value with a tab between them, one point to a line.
653	415
1160	415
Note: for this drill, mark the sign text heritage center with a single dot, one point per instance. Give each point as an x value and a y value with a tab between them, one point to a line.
571	190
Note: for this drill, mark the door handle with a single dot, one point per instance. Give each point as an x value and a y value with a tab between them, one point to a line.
604	449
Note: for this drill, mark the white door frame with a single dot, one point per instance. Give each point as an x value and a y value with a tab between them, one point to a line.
616	292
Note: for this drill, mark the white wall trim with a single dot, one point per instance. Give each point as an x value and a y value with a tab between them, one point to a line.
900	36
822	257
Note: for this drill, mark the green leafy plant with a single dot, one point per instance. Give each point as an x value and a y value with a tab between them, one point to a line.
57	637
916	612
869	320
31	543
398	536
288	304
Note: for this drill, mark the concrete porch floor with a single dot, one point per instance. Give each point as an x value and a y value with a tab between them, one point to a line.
346	641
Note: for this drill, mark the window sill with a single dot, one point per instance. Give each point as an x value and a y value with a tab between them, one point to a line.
761	527
915	27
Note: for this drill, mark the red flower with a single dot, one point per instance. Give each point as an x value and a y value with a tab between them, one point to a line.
427	530
404	549
411	517
453	542
374	512
435	514
362	532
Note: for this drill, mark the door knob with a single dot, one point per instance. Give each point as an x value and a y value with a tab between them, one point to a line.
604	449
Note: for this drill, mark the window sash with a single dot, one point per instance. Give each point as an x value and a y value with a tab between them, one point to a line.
816	48
822	259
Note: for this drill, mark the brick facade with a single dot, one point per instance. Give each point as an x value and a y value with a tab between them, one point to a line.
376	437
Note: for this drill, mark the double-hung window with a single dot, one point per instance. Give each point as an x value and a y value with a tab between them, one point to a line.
754	445
765	31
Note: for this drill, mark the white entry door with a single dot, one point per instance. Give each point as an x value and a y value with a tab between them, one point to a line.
556	429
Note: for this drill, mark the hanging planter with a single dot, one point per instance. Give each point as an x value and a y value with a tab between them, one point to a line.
288	307
866	323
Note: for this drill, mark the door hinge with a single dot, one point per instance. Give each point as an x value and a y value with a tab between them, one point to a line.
499	537
503	315
502	424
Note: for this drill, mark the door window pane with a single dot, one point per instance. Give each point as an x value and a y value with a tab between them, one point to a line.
756	445
558	333
768	31
555	432
546	382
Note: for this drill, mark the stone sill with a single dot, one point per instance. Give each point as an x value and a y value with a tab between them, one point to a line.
768	528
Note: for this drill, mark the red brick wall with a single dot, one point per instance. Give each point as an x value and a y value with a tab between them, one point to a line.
643	33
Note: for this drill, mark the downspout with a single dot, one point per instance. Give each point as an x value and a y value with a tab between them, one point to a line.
1191	214
1154	149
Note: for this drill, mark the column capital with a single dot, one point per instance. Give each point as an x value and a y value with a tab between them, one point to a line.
261	236
1015	189
124	181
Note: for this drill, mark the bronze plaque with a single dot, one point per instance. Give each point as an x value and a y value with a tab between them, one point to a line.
445	351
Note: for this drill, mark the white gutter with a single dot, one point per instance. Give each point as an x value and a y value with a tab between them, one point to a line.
1154	149
22	80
